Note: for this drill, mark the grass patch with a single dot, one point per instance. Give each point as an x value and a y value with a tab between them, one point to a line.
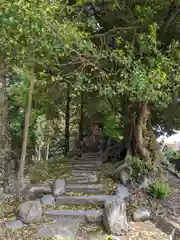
26	232
139	167
92	229
8	211
109	179
159	190
48	171
110	185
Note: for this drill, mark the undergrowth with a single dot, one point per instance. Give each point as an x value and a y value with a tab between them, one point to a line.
158	189
48	171
139	167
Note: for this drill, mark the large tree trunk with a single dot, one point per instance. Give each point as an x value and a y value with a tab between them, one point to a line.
6	166
25	136
140	140
67	118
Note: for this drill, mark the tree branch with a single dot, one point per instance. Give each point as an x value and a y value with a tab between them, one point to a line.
171	19
112	31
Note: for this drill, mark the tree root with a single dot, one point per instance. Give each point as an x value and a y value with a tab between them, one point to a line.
172	172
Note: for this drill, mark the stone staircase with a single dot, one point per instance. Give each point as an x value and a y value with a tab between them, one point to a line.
83	188
85	196
84	181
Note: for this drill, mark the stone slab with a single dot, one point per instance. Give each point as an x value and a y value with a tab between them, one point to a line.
83	162
86	188
80	172
47	200
87	167
91	159
83	179
93	216
82	200
63	228
84	172
44	188
14	224
34	191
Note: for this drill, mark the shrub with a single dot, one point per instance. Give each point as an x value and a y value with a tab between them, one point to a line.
139	167
172	156
159	190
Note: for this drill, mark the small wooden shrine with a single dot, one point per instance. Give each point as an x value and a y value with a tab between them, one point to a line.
96	125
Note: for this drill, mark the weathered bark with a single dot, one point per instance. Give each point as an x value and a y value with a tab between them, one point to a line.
81	121
25	136
140	140
47	149
67	118
6	166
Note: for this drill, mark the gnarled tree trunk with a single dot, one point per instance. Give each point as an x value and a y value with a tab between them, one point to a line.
140	140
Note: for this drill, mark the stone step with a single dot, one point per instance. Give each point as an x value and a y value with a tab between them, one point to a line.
90	154
87	167
83	179
91	216
76	172
34	191
83	164
88	164
88	158
62	228
82	160
82	200
85	188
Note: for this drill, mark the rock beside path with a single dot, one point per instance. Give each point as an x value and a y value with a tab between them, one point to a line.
122	192
62	229
48	200
14	224
144	182
115	219
141	215
58	187
125	178
30	211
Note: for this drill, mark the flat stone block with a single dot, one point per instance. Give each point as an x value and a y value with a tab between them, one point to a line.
82	179
48	200
62	229
14	224
82	200
86	188
93	216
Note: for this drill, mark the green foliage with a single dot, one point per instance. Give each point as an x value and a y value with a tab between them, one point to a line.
159	190
39	36
101	108
146	72
35	32
139	167
172	155
47	172
112	127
